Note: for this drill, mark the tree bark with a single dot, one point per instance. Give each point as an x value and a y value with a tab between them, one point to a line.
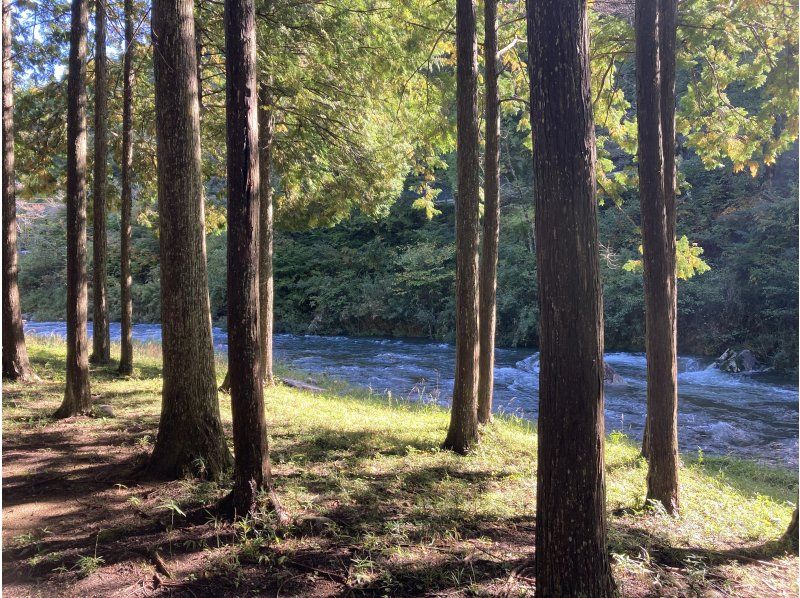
77	398
266	125
266	128
491	218
16	365
790	536
190	436
655	63
101	339
572	558
125	282
251	465
463	432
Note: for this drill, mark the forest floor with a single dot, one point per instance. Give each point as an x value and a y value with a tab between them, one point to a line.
378	509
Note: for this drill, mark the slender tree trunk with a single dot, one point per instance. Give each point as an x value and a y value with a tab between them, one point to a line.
655	63
266	126
463	431
77	398
572	558
190	436
251	465
101	340
125	282
15	355
491	218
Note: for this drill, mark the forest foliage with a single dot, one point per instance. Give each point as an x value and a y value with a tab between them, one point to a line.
364	162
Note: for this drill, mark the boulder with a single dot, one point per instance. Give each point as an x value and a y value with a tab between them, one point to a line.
736	362
611	377
103	411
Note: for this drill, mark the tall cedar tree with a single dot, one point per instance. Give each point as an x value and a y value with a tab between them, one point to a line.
77	398
463	431
125	279
572	559
190	436
655	89
15	355
491	217
251	464
101	340
266	130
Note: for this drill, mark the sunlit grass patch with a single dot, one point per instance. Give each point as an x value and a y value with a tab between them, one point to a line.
410	516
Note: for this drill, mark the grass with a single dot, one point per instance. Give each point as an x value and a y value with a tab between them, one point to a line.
396	515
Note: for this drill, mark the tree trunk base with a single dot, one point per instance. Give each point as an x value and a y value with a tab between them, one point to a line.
790	537
226	383
460	444
241	502
125	369
96	359
21	374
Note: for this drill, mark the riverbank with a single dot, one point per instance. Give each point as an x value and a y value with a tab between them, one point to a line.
379	509
719	413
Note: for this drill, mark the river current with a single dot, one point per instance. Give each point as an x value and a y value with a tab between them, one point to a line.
753	416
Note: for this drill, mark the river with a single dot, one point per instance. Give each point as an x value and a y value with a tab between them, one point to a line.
721	414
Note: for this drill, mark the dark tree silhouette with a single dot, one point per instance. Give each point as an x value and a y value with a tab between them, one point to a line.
491	217
251	467
15	354
571	554
101	340
126	302
190	436
655	92
77	398
463	431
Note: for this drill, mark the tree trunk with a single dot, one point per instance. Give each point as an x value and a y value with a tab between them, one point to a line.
101	340
572	558
125	282
77	398
15	355
790	536
251	464
190	436
491	218
463	431
655	63
266	126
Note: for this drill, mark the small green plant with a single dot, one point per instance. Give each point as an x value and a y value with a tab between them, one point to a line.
86	565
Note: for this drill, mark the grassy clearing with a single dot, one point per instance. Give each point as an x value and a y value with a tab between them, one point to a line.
379	508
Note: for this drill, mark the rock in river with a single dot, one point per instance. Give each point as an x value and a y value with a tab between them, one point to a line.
735	362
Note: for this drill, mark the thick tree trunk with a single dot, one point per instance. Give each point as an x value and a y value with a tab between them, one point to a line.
491	218
190	436
266	126
77	398
655	63
15	355
125	281
463	431
572	558
101	340
251	465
